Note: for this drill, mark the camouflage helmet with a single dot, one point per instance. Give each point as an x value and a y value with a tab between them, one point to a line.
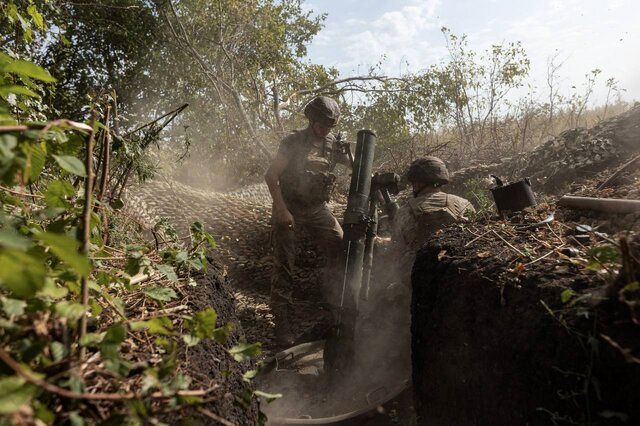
323	110
428	170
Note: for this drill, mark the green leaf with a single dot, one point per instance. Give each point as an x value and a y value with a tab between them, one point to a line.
75	419
92	339
631	287
163	294
110	345
71	164
168	272
159	325
21	273
14	393
57	192
43	413
602	256
249	375
203	323
13	307
70	310
117	204
12	240
269	397
221	334
245	351
38	157
566	295
32	10
52	290
5	91
190	340
66	248
28	69
58	351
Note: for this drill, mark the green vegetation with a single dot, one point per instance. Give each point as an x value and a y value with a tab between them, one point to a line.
71	277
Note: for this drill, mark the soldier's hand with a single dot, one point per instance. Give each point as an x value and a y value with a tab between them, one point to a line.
285	218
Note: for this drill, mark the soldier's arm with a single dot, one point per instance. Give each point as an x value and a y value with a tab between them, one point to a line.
342	157
272	177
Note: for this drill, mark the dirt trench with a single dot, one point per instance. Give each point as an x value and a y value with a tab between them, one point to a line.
493	343
209	363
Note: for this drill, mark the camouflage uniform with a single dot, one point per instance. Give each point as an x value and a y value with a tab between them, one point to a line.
306	186
418	219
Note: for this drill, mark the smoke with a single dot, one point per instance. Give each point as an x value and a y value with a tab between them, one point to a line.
382	364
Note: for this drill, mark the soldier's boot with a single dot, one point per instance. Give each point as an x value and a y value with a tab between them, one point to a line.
283	333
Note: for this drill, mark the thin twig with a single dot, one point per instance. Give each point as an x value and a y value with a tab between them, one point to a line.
476	238
86	227
50	387
543	257
625	352
618	172
22	194
215	417
510	245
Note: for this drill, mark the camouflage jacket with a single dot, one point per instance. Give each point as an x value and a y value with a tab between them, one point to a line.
307	179
420	217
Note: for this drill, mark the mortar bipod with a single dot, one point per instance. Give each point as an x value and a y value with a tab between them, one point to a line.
382	187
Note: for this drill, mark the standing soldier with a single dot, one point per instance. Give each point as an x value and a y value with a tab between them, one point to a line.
300	182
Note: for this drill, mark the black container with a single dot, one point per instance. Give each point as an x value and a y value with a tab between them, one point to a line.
513	197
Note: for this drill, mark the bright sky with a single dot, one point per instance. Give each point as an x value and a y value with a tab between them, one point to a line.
587	34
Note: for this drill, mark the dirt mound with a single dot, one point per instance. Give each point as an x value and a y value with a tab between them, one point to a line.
535	319
210	365
527	321
574	153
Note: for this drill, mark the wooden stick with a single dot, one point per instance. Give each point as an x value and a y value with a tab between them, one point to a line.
215	417
140	278
22	194
9	129
86	226
105	156
618	172
476	239
50	387
544	257
605	205
510	245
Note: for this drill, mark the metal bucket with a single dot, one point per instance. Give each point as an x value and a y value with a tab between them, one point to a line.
513	197
306	361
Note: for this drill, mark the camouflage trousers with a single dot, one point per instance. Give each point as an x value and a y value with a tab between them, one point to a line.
325	232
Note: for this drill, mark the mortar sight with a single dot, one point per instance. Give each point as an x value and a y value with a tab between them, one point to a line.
386	181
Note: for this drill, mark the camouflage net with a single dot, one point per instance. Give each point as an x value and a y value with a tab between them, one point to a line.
239	221
574	153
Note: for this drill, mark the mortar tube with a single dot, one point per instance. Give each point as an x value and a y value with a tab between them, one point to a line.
339	351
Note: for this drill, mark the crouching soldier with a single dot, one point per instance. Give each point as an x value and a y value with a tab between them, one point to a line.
429	210
416	221
300	182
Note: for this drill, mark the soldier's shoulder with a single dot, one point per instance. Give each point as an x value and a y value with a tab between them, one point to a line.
295	135
293	139
459	204
428	203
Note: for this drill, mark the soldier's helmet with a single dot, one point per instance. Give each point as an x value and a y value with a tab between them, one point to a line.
428	170
323	110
